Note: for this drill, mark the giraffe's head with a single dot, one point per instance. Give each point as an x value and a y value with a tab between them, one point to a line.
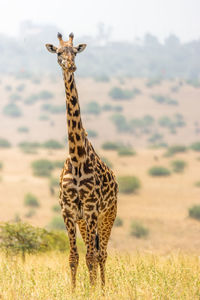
66	52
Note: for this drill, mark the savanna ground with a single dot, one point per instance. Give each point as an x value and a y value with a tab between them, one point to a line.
164	264
138	276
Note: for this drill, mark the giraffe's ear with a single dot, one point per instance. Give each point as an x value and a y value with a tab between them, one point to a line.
80	48
51	48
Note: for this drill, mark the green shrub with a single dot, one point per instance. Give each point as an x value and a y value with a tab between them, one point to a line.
117	93
138	230
128	184
178	166
45	95
107	162
56	208
31	99
4	143
196	146
43	118
57	223
102	78
15	97
22	238
53	144
30	213
92	133
19	238
120	122
42	167
107	107
12	110
153	81
20	87
197	184
194	212
31	200
23	129
8	88
175	149
126	151
110	146
93	108
1	165
118	222
159	171
58	164
156	138
164	100
54	109
29	147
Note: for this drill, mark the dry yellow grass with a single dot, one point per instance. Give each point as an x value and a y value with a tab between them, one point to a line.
129	276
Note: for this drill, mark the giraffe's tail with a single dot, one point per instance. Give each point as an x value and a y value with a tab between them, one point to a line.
97	242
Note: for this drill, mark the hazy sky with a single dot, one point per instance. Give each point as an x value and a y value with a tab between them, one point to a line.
128	18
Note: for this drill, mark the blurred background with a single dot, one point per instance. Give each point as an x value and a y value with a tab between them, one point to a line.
139	85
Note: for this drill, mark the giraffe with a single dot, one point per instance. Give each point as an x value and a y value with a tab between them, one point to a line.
88	188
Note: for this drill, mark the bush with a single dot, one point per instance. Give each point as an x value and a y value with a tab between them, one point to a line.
58	164
15	97
45	95
138	230
22	238
110	146
8	88
118	222
1	165
30	213
120	122
102	78
29	147
164	100
128	184
197	184
107	162
175	149
125	151
4	143
23	129
178	166
93	108
56	208
54	109
43	118
31	99
42	167
20	87
92	133
53	144
194	212
12	110
19	238
159	171
117	93
31	200
57	223
196	146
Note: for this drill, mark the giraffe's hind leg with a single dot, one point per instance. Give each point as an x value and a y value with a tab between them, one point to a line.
105	225
83	229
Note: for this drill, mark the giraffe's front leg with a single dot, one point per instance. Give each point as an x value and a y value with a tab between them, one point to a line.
91	259
73	255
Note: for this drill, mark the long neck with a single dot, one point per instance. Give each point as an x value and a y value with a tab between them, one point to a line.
76	132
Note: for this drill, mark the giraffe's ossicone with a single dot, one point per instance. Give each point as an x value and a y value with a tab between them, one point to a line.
88	188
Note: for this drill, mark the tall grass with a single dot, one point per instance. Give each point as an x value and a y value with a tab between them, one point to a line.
136	276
